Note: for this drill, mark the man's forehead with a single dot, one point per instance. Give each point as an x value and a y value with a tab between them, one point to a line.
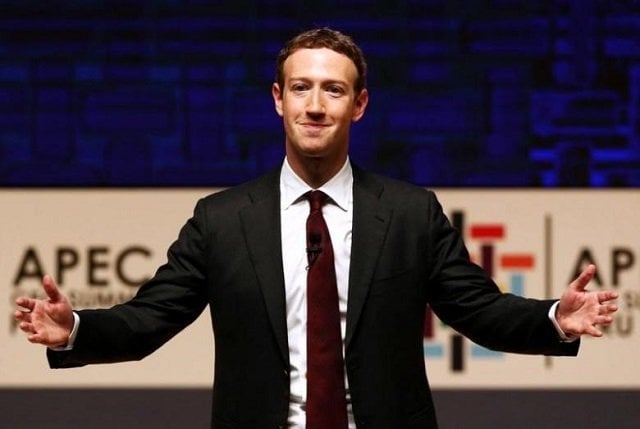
305	58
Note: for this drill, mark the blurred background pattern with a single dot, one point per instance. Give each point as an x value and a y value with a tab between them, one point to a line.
177	92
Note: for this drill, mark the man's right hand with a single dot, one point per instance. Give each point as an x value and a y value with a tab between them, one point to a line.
46	321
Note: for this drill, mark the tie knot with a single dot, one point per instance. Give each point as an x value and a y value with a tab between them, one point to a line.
316	200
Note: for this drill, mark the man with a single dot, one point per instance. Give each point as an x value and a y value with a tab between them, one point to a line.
244	253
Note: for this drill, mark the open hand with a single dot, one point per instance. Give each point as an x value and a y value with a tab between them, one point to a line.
581	311
46	321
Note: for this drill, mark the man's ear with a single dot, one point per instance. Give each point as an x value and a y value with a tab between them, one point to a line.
360	105
277	97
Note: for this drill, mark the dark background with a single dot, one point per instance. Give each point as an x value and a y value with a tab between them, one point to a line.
463	93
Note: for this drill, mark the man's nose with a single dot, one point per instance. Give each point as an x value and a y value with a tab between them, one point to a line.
315	103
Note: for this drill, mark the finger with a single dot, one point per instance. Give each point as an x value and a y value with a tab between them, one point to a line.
22	316
608	308
50	288
594	332
593	329
26	303
607	295
41	338
36	339
604	320
584	278
27	327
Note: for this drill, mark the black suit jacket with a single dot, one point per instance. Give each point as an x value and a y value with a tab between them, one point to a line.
405	255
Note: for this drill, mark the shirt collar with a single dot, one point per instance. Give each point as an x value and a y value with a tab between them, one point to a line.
338	188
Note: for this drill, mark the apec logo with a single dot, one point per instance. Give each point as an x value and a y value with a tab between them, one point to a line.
110	275
617	269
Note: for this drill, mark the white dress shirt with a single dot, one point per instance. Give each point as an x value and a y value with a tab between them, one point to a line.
338	214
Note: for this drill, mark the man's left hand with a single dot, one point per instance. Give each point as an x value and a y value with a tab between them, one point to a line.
581	311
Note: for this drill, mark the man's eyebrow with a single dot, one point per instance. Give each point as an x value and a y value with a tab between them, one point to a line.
324	82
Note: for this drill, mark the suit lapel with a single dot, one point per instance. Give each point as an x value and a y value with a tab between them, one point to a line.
261	226
371	219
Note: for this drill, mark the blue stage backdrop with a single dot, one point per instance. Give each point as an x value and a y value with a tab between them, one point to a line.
463	93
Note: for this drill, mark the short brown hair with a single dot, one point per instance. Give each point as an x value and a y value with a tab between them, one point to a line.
324	38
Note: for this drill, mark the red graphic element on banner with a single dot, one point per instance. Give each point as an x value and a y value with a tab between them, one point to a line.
517	260
487	231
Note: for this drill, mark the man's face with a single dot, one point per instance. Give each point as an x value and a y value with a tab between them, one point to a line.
318	103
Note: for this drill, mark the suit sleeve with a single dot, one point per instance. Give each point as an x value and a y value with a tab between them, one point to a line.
163	306
466	298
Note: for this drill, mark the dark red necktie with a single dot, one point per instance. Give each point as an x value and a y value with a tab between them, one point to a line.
326	396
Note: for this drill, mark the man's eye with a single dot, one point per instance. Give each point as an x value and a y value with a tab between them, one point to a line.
333	89
298	87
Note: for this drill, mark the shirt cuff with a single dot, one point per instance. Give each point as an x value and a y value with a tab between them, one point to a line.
552	316
72	335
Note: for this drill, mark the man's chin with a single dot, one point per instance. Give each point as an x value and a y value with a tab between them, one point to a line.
313	151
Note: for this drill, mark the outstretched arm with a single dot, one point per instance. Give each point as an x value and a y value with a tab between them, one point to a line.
581	311
46	321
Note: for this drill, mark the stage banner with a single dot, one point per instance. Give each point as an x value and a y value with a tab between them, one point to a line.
100	244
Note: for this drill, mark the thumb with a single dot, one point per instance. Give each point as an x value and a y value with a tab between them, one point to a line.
50	288
584	278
